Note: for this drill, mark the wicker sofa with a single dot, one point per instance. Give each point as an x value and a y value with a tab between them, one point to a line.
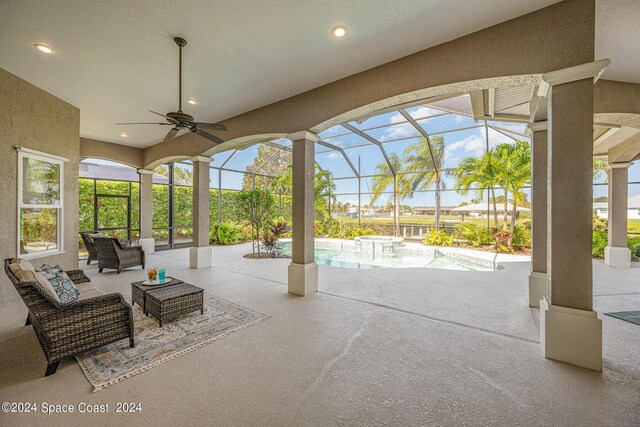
70	329
112	254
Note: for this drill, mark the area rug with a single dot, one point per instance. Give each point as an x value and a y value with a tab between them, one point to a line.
115	362
629	316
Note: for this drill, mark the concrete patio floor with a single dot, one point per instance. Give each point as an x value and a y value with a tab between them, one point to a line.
373	347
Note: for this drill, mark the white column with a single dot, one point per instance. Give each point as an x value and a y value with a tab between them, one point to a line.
570	331
146	214
303	271
200	251
617	254
539	152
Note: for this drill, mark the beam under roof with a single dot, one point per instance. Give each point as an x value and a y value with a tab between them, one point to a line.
341	151
373	140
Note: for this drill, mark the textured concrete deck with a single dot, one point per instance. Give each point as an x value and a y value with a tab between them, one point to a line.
373	347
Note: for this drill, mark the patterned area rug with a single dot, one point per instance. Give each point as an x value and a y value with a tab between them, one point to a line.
115	362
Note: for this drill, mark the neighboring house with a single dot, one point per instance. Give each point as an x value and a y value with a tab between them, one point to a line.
352	212
601	209
431	210
481	210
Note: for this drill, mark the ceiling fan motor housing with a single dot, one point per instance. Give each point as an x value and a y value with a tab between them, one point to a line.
180	116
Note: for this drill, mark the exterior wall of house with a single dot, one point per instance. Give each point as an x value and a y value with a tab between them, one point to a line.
35	119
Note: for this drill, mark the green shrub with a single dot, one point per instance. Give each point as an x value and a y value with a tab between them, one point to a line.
599	242
502	240
521	236
633	243
359	231
439	238
475	236
225	233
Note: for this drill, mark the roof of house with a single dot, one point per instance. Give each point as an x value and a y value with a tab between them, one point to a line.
482	207
115	173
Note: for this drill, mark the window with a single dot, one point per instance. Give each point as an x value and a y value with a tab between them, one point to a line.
40	204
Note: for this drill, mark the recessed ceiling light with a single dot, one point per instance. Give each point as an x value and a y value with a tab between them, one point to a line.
339	31
43	48
192	101
124	135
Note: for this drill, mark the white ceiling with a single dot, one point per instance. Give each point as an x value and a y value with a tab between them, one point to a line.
116	59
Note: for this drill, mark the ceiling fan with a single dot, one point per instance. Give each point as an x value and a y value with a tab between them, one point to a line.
181	120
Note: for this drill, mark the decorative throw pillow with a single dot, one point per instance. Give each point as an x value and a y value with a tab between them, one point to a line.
63	285
33	276
125	243
20	264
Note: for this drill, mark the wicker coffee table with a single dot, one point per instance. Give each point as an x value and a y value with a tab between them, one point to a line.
169	301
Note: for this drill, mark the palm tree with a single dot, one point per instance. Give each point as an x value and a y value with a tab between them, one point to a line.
426	163
323	188
384	178
479	173
600	167
514	172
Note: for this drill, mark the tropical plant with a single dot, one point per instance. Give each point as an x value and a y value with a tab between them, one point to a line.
600	168
513	167
480	174
401	185
225	233
476	236
503	240
599	242
270	161
323	189
439	238
271	236
425	160
521	236
258	208
358	231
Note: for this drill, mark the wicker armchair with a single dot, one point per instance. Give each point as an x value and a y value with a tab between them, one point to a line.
74	328
87	239
111	254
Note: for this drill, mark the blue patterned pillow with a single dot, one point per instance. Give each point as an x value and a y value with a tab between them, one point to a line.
63	285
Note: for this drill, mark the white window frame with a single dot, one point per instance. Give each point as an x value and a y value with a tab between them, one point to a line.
32	154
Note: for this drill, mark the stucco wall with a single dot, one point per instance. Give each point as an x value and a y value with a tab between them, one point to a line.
33	118
131	156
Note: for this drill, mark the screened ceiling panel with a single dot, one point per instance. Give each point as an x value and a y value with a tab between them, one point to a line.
220	158
335	162
460	104
401	130
380	120
346	141
370	156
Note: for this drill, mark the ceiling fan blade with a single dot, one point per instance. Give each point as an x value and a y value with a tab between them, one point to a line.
208	136
216	126
171	134
163	124
166	117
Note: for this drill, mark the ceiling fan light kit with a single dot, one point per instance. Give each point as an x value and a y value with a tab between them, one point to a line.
181	120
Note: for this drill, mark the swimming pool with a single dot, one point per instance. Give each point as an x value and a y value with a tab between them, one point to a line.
345	253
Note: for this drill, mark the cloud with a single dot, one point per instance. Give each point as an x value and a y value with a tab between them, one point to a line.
334	155
459	118
473	145
331	131
399	131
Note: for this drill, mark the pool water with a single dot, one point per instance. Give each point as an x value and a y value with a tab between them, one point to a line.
346	255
